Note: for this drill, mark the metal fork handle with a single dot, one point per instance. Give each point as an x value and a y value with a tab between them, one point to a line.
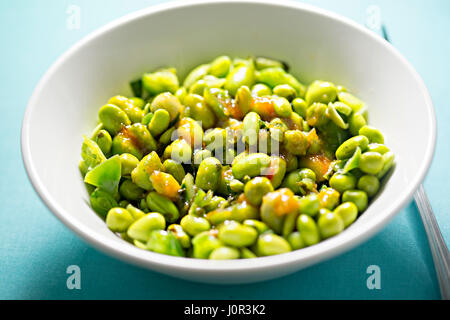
438	247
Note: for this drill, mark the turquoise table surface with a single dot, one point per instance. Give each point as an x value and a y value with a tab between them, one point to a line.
36	249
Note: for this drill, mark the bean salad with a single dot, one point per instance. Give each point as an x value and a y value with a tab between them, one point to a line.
240	160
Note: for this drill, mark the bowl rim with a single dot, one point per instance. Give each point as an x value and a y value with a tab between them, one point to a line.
307	256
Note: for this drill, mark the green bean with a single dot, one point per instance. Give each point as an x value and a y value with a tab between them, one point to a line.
247	254
102	202
244	99
251	126
135	212
264	63
141	174
356	122
376	147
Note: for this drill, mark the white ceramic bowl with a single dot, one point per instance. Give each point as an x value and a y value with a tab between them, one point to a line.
316	43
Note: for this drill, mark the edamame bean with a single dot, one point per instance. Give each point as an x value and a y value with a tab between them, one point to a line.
343	182
348	212
130	191
204	244
113	118
309	205
168	102
103	140
256	189
164	242
194	225
129	163
300	107
261	90
237	235
369	184
159	122
160	81
161	204
251	165
208	174
296	142
359	198
308	229
330	225
243	75
348	148
271	244
371	163
285	91
321	91
175	169
373	134
220	66
282	107
119	219
140	229
296	241
225	253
